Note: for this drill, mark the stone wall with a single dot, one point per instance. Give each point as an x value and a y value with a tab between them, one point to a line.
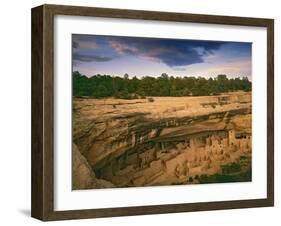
182	161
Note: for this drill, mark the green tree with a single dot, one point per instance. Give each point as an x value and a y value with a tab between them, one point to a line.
123	87
126	76
101	91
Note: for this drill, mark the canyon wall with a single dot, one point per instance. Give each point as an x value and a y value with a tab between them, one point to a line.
169	140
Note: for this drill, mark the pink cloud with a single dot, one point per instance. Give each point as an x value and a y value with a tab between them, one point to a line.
123	48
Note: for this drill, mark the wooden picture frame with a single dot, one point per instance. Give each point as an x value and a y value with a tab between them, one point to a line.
42	203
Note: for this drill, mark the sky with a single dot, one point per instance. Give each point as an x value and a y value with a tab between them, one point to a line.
137	56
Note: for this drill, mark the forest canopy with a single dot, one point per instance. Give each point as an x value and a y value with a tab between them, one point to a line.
100	86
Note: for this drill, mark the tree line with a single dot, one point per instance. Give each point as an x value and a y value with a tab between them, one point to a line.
100	86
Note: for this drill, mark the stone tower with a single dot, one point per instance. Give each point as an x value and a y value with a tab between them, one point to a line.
231	137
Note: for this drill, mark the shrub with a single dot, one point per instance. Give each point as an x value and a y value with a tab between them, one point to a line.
231	168
150	99
134	96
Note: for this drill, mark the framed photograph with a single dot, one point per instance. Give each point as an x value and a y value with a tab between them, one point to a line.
141	112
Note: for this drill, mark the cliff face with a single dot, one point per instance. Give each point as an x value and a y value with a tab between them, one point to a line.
83	176
137	142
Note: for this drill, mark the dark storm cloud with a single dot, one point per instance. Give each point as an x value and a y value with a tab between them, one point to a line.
142	56
90	58
75	45
172	52
175	53
85	49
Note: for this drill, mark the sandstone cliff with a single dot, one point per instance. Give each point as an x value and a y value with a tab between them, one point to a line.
137	142
83	176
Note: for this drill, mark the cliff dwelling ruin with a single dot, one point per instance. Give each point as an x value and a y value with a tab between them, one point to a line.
170	141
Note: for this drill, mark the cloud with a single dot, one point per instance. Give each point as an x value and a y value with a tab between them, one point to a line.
90	58
172	52
178	54
85	49
75	45
123	49
84	45
80	45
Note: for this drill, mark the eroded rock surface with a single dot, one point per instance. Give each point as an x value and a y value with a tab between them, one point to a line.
172	140
83	175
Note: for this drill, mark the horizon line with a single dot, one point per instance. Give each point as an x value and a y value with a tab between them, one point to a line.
175	76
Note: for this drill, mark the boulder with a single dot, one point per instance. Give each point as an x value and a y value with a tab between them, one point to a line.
83	177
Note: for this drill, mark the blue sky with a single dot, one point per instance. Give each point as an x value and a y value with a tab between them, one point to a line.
116	55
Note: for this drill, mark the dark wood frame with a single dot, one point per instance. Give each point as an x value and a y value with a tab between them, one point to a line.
42	203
